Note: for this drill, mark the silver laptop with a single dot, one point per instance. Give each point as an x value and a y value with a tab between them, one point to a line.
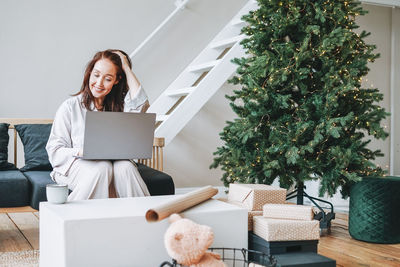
118	135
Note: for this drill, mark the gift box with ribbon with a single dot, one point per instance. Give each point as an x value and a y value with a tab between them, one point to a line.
255	196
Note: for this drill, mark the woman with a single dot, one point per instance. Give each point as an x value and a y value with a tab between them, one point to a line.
108	85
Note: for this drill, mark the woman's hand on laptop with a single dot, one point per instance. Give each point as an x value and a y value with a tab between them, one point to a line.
80	152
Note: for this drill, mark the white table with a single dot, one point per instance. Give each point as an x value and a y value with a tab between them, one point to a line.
114	232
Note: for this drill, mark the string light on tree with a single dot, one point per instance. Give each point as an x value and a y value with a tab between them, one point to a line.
305	113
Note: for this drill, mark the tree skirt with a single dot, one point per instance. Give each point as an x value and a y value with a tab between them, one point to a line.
29	258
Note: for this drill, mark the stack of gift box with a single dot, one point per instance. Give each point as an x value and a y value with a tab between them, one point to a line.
287	231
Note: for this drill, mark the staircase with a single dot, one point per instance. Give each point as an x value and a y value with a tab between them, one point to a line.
199	81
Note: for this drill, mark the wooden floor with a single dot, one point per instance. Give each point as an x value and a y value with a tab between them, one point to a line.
20	231
347	251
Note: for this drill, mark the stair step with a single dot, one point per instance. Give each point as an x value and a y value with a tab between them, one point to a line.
229	42
206	74
238	22
204	66
181	91
161	117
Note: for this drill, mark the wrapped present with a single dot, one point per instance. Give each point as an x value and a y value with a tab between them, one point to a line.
251	213
291	212
285	230
255	196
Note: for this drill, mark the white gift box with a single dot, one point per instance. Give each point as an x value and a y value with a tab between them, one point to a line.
114	232
251	213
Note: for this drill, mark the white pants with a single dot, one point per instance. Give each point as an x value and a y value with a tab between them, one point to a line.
91	179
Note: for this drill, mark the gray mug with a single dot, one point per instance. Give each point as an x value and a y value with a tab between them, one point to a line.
57	193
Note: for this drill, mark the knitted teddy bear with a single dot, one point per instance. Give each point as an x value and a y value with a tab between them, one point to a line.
187	242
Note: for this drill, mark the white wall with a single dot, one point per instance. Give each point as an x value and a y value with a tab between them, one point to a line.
395	93
378	21
45	44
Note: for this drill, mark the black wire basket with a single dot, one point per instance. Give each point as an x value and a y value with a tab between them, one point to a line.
236	257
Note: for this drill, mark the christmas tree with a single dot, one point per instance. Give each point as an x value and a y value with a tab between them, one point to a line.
302	113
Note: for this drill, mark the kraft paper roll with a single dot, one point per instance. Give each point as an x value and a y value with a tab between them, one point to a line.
180	203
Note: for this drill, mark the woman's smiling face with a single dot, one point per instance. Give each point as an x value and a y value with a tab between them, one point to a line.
102	79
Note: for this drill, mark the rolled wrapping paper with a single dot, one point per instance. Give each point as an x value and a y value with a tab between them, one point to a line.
180	203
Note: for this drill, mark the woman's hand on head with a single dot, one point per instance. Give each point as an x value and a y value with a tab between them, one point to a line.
124	60
133	83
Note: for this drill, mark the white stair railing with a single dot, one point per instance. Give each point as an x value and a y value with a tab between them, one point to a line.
200	80
180	4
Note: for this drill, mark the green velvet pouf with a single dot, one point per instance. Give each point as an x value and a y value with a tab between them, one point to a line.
374	214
